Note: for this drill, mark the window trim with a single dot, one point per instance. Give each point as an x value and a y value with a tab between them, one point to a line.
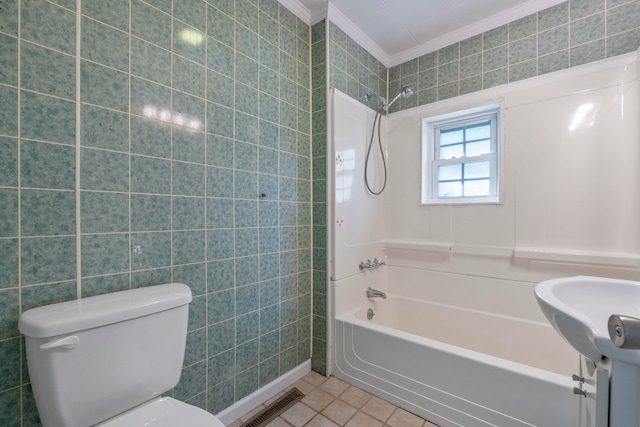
430	148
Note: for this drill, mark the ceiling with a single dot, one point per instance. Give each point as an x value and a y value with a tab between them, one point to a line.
398	30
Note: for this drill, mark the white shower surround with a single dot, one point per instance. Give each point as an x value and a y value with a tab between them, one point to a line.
569	206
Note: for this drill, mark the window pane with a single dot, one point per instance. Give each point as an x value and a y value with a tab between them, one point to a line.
452	151
476	188
479	132
449	172
460	157
450	189
476	170
451	136
479	148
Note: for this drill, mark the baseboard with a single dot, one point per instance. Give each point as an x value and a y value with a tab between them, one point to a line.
249	402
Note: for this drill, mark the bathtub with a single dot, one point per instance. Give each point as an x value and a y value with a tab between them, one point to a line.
456	366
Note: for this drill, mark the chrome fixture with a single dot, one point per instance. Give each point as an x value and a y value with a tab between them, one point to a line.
624	331
579	390
405	92
374	293
370	314
371	264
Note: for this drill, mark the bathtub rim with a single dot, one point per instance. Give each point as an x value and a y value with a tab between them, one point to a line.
446	411
498	362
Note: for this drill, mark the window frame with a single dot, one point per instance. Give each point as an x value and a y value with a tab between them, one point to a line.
431	129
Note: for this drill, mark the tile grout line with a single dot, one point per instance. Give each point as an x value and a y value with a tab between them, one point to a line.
206	207
21	345
129	117
77	146
258	191
171	159
19	146
234	196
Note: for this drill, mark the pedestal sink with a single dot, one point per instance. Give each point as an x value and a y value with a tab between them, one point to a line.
579	309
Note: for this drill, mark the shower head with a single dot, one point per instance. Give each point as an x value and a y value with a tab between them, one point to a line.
405	92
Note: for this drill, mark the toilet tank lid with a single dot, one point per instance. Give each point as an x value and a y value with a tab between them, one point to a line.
86	313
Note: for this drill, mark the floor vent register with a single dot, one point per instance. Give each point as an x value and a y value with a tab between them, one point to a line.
276	408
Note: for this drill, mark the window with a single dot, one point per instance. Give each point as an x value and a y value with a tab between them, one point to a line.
460	157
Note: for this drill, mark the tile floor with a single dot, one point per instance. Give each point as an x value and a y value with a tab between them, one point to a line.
330	402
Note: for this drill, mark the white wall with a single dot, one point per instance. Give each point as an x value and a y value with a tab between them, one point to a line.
570	190
358	217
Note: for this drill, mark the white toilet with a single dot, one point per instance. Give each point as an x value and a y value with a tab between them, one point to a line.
105	360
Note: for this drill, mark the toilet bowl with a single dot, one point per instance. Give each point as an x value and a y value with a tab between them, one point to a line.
106	360
164	412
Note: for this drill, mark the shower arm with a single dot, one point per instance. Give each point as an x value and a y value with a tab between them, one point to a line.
386	106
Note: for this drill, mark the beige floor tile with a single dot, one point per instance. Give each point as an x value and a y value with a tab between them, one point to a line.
402	418
363	420
304	386
334	403
318	399
339	412
334	386
299	414
314	378
321	421
278	422
378	408
355	397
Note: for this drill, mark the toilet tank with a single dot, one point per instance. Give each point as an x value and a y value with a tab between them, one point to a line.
93	358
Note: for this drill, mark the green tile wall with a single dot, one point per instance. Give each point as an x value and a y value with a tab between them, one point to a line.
353	70
319	147
170	141
571	33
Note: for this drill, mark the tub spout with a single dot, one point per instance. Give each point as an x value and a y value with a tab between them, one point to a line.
374	293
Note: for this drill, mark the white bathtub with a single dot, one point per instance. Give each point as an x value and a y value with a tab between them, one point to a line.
455	366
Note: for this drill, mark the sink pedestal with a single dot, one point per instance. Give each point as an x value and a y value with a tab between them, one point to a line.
624	409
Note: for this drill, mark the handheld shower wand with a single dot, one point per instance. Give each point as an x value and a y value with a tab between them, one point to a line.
405	92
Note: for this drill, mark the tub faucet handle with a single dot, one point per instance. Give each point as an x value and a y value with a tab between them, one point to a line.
379	262
580	391
372	263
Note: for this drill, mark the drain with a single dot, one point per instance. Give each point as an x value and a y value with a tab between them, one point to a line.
276	408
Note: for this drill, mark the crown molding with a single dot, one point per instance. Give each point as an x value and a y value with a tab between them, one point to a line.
319	12
479	27
326	10
334	15
297	9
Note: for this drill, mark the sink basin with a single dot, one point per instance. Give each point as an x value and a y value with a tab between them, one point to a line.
579	309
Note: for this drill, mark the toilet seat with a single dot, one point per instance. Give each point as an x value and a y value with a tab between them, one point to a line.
164	412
